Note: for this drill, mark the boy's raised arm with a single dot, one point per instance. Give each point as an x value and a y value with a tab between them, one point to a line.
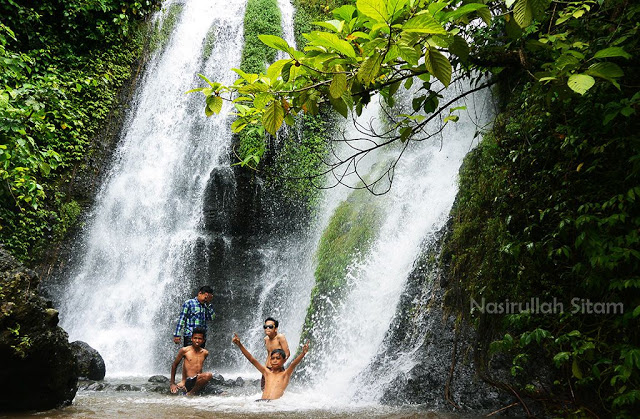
247	354
296	361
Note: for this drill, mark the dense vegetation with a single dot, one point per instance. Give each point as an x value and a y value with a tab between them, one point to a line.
61	65
549	209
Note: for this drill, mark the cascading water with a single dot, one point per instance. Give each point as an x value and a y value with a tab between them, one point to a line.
147	216
142	249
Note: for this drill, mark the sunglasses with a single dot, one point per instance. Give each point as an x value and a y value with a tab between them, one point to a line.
268	326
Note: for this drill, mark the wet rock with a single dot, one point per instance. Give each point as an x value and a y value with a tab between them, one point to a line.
95	386
210	389
127	387
230	383
90	362
37	359
159	379
239	382
217	379
156	388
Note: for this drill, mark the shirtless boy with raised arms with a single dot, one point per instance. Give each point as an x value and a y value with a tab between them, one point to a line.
277	378
272	341
193	379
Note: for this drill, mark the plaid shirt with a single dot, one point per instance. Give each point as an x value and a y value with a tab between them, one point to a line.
193	314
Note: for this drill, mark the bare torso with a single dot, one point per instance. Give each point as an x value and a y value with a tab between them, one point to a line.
275	384
193	361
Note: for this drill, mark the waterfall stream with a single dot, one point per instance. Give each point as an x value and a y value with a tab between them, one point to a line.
138	249
147	216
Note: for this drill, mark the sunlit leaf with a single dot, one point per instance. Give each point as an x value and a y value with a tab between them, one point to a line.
438	65
423	23
370	68
275	42
273	117
580	83
338	85
612	52
375	9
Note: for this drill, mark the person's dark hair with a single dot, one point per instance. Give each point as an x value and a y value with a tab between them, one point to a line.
275	322
279	351
201	331
206	289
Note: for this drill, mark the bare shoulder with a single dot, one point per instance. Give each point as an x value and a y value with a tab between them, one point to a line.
205	352
281	336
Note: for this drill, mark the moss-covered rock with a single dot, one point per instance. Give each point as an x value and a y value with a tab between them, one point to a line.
39	370
344	244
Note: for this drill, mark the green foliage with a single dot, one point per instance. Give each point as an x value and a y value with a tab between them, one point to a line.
548	208
55	92
262	17
299	162
22	343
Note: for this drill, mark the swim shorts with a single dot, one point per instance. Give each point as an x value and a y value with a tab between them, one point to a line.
190	382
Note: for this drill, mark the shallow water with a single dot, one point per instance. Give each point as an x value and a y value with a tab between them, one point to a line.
235	402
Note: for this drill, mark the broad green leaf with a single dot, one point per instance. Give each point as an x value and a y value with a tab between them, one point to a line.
369	69
330	40
275	42
275	69
250	78
580	83
262	99
423	23
460	48
214	104
253	88
338	85
344	12
438	65
273	117
463	11
332	25
605	70
286	71
394	6
612	52
409	54
339	105
525	11
575	369
375	9
198	89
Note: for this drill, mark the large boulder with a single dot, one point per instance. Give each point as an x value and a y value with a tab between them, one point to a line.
39	370
90	362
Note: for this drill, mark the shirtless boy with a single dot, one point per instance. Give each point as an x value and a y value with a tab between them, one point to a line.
276	378
272	341
193	379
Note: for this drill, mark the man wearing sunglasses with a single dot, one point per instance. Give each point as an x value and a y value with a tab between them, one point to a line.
272	341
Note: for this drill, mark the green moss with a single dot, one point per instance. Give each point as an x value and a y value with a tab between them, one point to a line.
209	42
262	17
345	243
163	27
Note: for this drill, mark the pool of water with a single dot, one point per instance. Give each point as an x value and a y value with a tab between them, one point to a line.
235	402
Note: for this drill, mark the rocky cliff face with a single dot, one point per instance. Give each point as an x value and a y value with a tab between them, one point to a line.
447	373
39	370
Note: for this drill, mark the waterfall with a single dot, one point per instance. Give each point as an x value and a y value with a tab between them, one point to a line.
147	218
145	243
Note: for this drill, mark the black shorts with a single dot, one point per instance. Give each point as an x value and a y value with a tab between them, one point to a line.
190	382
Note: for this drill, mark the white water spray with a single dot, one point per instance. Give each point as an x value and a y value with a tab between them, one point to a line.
147	215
